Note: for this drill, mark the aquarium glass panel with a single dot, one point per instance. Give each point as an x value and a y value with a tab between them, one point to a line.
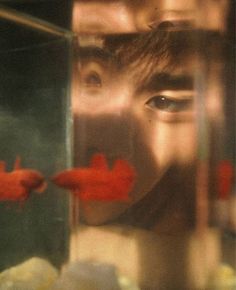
35	134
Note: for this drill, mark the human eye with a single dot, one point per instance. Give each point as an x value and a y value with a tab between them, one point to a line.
164	103
92	79
91	75
94	68
171	104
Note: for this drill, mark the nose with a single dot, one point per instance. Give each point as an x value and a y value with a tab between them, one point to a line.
109	134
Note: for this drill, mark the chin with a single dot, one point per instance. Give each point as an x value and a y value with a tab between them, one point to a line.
96	213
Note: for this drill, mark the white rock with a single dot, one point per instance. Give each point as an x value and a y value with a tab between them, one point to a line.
88	276
33	274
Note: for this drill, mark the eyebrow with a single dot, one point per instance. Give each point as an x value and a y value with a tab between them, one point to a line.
167	81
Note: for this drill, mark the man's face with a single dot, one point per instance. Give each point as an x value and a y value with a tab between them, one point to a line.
128	112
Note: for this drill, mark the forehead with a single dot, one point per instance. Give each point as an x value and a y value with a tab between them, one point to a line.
126	16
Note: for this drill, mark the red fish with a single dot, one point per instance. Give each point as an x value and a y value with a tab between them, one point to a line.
98	182
17	184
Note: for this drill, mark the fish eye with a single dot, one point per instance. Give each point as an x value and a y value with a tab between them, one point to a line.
167	104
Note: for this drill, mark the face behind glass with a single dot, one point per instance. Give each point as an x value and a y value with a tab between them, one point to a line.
126	112
149	121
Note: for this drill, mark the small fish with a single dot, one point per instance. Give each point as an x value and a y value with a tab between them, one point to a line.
17	184
225	175
97	182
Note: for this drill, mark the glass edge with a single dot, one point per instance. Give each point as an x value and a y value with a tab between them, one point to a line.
33	22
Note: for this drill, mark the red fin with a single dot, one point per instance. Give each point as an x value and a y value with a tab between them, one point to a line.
123	167
31	179
17	164
2	166
41	187
99	161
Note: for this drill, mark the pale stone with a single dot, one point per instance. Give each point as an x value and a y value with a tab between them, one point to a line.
33	274
88	276
224	278
151	260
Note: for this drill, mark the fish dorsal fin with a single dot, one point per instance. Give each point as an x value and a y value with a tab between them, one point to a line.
124	168
2	166
17	164
98	161
121	165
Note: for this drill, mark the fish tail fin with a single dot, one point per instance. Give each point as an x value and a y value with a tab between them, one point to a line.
98	161
17	164
42	187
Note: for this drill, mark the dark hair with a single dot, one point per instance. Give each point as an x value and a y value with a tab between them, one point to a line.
146	53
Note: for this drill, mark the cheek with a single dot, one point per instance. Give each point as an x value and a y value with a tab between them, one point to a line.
162	144
174	144
171	143
186	144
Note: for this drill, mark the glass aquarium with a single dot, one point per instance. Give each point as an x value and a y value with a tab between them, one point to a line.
35	134
129	120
